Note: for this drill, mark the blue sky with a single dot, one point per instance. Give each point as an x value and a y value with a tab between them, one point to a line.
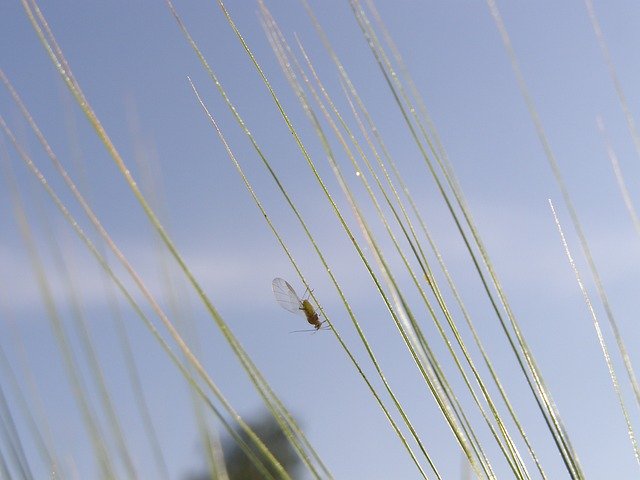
132	64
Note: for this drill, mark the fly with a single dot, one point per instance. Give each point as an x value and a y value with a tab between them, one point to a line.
288	299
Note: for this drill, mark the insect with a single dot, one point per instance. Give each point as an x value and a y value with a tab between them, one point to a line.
288	299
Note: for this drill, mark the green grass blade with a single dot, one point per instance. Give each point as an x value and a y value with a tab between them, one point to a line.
601	340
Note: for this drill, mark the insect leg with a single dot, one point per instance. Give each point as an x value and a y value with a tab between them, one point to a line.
307	290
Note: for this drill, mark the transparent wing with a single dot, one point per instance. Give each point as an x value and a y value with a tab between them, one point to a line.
286	296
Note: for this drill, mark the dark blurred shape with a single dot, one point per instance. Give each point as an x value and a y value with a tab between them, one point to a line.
238	464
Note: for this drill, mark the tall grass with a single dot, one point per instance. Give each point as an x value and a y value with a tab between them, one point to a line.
468	367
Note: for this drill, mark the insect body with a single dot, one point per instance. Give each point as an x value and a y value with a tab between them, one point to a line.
288	299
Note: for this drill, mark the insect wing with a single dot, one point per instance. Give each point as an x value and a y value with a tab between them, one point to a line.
286	296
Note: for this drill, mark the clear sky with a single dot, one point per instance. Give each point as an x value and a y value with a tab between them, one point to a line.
132	63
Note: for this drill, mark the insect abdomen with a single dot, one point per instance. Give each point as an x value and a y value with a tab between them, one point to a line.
310	313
